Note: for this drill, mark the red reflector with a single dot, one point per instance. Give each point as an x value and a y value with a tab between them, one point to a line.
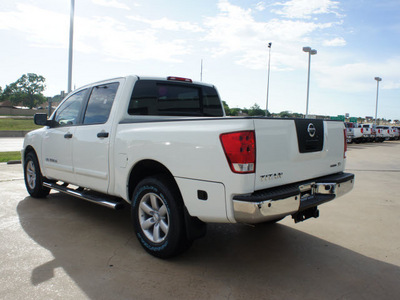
179	79
240	151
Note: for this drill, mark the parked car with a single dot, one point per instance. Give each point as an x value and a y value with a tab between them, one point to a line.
369	132
357	133
349	132
379	134
164	148
394	134
384	131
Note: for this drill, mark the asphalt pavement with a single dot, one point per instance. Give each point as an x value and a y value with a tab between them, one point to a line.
61	247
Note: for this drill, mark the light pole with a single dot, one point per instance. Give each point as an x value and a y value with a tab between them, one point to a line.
377	91
71	37
310	52
201	70
269	64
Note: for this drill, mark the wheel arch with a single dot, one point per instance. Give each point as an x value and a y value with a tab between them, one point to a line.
28	150
149	168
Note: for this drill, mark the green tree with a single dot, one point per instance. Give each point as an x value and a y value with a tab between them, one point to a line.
235	111
27	90
256	110
285	114
297	115
226	108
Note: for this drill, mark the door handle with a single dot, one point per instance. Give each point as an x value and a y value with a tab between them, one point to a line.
102	134
68	135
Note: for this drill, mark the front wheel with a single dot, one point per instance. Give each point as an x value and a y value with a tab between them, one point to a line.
33	177
158	217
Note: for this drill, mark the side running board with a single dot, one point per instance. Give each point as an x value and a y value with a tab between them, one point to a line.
97	198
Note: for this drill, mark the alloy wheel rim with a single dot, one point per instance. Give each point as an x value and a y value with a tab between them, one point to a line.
154	218
31	174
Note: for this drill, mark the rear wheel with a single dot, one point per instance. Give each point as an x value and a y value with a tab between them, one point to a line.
158	217
33	177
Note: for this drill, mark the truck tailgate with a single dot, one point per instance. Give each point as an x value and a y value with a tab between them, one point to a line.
294	150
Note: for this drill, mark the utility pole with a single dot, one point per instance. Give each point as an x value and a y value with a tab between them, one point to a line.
201	70
71	38
310	52
269	65
377	91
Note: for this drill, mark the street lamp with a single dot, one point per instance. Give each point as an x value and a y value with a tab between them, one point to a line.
71	38
269	64
310	52
377	90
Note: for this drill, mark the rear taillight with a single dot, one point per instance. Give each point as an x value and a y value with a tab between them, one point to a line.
240	151
362	130
345	144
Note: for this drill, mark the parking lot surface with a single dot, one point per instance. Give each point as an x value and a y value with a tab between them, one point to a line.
65	248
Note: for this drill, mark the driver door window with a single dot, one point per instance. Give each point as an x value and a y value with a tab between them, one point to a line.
68	113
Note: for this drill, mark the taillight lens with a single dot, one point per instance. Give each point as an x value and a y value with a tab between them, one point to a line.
345	143
240	151
362	130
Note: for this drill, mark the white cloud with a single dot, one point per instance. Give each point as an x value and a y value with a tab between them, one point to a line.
234	30
114	39
359	76
336	42
260	6
111	3
98	35
168	24
42	28
304	9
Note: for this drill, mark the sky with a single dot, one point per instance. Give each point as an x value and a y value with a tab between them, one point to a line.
356	41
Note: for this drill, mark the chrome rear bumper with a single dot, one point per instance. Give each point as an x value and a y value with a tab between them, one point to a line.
276	203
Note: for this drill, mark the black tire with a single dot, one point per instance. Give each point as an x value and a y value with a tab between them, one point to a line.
33	177
158	217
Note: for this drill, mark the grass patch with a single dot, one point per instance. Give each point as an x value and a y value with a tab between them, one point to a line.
7	156
17	124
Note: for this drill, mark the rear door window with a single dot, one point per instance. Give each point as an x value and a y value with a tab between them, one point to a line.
100	103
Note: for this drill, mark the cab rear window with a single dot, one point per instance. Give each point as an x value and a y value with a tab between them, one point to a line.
159	98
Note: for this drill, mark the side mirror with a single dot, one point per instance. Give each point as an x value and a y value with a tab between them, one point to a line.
41	119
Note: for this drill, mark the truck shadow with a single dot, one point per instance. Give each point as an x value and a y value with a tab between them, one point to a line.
96	247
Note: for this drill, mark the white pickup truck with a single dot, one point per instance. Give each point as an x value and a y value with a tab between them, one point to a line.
165	147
